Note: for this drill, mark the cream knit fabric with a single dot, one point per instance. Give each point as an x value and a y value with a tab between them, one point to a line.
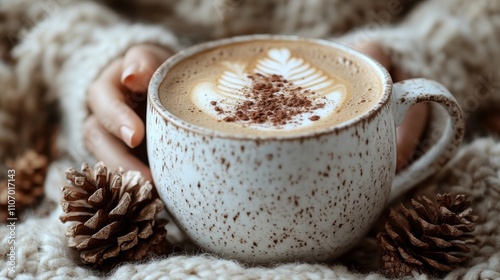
51	50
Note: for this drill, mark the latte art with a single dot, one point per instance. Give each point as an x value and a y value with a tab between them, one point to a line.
279	92
269	88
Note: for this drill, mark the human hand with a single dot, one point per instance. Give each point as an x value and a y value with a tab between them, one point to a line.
410	131
114	131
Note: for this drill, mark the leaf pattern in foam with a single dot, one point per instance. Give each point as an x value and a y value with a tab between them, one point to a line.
233	80
296	70
228	91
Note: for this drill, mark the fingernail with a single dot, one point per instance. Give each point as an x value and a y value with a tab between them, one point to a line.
129	71
127	135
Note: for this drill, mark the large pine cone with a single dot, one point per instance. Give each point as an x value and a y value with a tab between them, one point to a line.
113	215
431	238
26	179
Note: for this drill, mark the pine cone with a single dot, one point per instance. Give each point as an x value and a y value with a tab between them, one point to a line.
26	183
431	238
113	215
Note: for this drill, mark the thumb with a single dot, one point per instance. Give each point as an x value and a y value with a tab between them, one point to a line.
139	64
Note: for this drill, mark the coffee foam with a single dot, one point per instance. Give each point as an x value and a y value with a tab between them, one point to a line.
220	76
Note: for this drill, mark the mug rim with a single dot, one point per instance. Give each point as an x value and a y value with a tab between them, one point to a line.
161	72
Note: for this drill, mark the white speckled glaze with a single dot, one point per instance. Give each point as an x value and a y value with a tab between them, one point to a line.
307	197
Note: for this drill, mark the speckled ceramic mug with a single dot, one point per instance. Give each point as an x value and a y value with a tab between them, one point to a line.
307	197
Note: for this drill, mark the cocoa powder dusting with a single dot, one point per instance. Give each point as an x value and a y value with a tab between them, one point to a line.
271	99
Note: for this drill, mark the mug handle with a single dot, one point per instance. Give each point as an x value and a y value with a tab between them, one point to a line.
408	93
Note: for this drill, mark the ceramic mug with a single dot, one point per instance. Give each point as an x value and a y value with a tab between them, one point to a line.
307	197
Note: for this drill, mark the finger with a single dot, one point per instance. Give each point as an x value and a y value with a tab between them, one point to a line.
106	99
409	133
492	122
376	51
139	64
107	148
398	75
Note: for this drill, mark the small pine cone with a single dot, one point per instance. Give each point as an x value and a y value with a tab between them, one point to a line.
432	237
24	183
113	215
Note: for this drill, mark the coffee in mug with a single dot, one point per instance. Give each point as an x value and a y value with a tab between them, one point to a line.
280	148
269	88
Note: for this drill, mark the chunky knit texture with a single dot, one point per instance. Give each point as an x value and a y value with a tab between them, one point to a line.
51	50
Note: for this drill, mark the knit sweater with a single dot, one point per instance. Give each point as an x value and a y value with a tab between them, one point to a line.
52	50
